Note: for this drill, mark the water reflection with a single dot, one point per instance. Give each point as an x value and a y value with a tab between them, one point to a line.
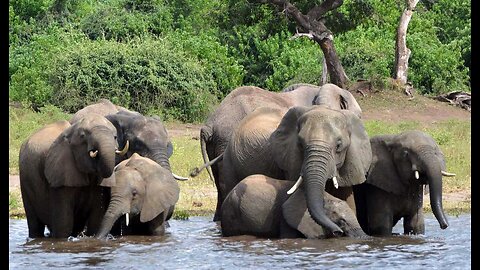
197	244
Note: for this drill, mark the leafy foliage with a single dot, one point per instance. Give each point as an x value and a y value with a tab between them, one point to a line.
178	57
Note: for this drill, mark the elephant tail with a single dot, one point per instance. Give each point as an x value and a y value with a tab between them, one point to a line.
204	137
207	165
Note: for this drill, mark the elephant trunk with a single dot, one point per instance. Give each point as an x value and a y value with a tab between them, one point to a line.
319	166
160	157
106	156
116	209
434	176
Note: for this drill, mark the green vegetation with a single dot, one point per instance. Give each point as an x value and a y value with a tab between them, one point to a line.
178	58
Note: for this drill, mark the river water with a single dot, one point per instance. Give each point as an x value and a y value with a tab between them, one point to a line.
196	243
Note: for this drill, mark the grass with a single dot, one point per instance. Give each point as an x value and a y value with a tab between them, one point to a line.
198	195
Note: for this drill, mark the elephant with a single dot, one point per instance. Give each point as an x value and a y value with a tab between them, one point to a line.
146	135
63	169
216	133
102	106
144	191
259	205
315	144
401	164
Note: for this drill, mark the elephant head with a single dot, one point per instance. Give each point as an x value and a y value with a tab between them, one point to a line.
409	158
83	153
142	188
337	98
147	136
318	144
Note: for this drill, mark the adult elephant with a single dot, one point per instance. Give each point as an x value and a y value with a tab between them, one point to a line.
102	106
145	192
401	165
216	133
315	144
61	169
259	205
146	135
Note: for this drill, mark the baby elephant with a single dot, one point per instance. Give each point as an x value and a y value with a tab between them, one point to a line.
145	192
259	205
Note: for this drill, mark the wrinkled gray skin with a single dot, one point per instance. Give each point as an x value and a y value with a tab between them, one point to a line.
59	180
315	142
144	190
392	191
146	135
103	107
216	133
259	206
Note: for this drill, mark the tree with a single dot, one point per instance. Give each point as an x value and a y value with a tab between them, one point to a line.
312	25
402	53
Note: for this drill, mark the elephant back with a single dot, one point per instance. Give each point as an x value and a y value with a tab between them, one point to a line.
251	139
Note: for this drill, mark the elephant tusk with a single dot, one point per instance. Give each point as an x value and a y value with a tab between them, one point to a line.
297	184
444	173
335	182
181	178
93	154
127	220
124	150
417	175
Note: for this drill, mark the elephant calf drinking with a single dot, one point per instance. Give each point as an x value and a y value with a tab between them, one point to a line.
145	191
260	206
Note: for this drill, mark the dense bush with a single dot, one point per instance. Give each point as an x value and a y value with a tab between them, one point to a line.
178	57
149	76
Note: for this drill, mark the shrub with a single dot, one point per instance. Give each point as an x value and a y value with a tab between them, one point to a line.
149	76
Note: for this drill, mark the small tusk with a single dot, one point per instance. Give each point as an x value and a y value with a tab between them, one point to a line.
444	173
417	175
127	219
93	154
335	182
180	178
124	150
297	184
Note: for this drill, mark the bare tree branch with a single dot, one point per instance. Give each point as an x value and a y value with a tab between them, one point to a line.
318	11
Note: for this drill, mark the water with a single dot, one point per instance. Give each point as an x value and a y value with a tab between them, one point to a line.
197	244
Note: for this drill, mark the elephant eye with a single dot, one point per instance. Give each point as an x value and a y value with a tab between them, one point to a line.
339	145
134	192
405	153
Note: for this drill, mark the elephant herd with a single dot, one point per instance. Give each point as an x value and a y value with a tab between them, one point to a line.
297	163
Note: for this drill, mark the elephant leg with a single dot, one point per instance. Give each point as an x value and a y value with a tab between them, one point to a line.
360	193
215	172
62	215
97	210
415	223
157	225
288	232
36	228
380	213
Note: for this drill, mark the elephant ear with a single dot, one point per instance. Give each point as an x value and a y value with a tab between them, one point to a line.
359	154
285	150
162	192
382	172
169	149
119	121
296	215
60	168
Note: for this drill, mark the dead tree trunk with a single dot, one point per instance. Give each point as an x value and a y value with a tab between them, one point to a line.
314	28
402	53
